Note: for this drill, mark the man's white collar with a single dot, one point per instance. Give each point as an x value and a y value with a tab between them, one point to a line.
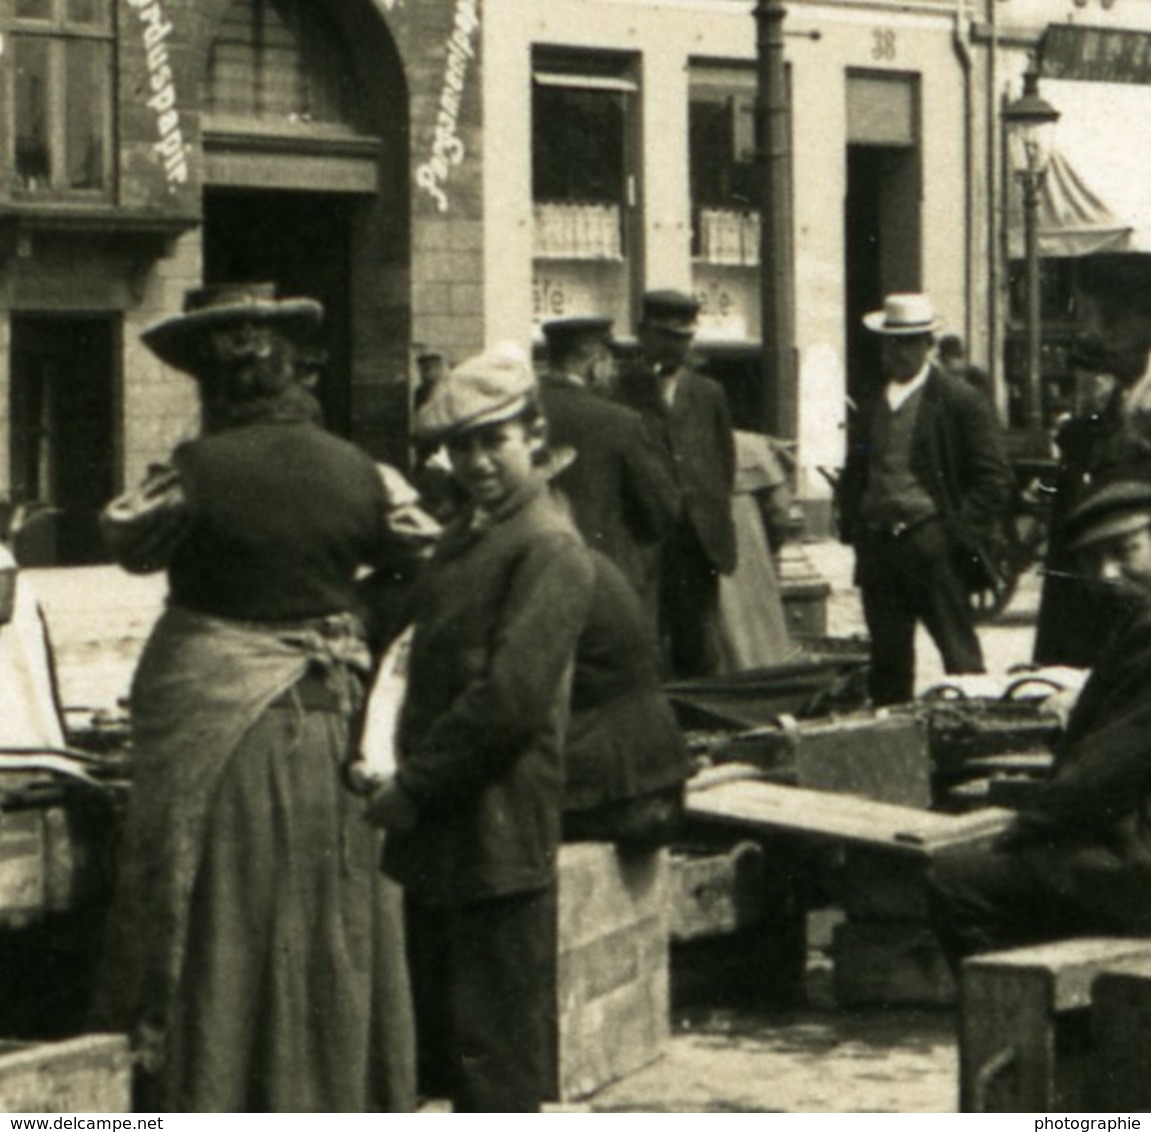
897	392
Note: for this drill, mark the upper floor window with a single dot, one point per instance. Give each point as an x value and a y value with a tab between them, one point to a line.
61	68
280	61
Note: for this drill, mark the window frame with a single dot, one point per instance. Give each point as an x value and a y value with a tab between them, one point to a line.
58	33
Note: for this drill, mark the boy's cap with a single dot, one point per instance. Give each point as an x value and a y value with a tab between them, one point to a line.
1115	509
671	311
485	389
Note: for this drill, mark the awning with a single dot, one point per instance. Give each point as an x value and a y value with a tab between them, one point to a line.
1097	195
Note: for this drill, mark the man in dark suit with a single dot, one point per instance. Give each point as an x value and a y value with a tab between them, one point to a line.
623	500
1076	860
926	476
688	416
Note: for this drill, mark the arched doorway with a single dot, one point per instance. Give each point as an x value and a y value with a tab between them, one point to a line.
304	120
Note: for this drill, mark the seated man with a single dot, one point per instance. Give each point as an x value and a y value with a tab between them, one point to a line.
1077	861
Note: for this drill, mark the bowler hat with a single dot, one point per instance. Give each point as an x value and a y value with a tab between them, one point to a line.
903	315
485	389
564	330
671	311
1115	509
178	340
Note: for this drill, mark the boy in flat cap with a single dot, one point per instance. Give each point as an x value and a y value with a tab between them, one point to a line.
623	499
474	810
1077	860
687	415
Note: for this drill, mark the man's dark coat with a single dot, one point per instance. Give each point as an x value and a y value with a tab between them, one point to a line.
957	455
696	437
621	495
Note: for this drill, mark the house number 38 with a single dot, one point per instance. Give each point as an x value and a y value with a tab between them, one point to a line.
882	43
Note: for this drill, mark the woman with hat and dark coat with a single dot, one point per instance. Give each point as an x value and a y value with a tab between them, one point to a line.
255	953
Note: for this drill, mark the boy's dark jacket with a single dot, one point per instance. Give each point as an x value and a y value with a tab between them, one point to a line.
498	612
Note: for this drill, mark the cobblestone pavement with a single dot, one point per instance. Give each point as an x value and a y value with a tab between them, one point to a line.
816	1060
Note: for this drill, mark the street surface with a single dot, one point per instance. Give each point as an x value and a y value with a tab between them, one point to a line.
816	1060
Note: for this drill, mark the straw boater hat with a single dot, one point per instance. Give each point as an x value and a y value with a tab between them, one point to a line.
179	340
903	316
1116	509
486	389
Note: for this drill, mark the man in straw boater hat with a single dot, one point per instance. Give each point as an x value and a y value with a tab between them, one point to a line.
925	478
474	808
255	952
1077	860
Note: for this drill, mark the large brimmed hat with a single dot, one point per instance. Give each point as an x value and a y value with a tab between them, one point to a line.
178	340
485	389
563	331
903	316
1118	508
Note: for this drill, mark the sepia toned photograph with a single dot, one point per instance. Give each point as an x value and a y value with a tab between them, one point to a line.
575	556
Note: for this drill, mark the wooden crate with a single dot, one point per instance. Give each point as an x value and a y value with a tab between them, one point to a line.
716	893
1120	1022
86	1074
612	994
1024	1038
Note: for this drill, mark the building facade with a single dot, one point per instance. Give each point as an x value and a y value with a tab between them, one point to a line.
450	173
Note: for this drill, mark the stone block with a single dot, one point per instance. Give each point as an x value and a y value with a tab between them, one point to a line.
85	1074
612	972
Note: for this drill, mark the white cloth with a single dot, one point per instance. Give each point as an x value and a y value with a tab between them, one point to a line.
898	392
28	713
377	758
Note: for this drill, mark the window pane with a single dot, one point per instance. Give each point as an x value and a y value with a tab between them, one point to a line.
86	98
33	158
33	9
578	145
90	12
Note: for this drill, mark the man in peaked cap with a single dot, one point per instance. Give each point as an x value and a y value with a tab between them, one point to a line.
687	415
1077	860
622	497
925	479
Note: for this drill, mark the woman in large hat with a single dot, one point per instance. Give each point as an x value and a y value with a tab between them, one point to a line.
255	952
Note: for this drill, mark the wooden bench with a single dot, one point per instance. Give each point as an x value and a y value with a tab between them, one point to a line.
1024	1031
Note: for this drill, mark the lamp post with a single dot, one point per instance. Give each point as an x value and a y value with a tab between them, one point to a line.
773	131
1032	119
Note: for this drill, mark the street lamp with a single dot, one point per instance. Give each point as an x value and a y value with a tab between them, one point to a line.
1032	120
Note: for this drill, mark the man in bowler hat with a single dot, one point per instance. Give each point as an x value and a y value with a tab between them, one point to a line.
1077	859
622	496
687	414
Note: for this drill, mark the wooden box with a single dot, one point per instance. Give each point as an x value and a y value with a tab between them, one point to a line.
1024	1038
86	1074
612	993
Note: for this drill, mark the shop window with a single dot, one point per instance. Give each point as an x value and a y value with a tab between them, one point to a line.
279	61
583	185
61	68
725	220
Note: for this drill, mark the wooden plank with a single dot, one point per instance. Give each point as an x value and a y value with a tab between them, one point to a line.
85	1074
1012	1057
762	807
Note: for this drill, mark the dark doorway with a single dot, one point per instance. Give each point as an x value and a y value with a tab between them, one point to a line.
881	244
63	428
301	242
